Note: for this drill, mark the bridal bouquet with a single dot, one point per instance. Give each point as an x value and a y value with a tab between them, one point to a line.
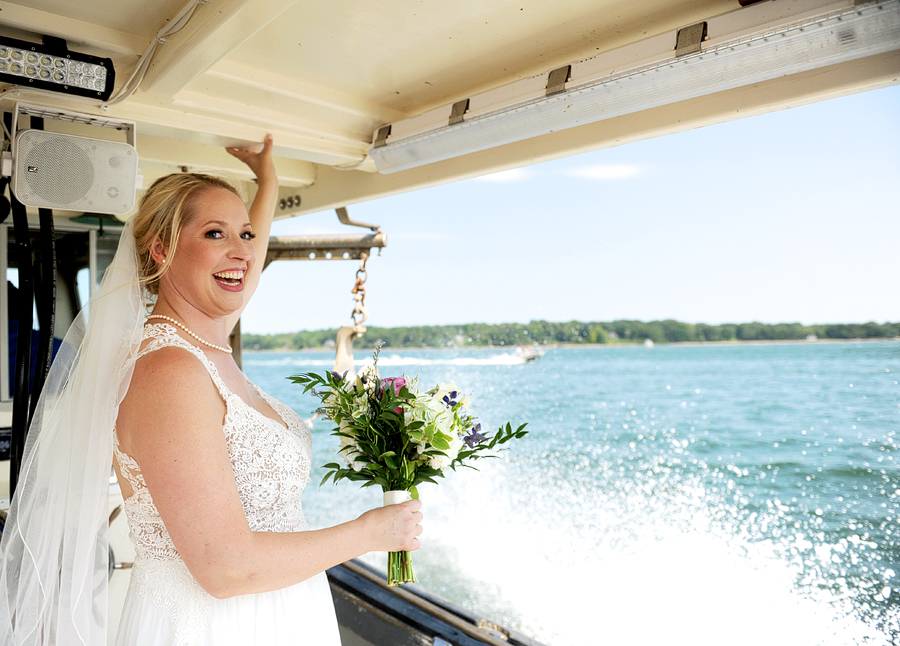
395	436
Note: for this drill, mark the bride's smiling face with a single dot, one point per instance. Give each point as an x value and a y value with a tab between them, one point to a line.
214	253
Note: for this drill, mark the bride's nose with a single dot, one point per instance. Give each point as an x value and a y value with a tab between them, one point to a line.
241	249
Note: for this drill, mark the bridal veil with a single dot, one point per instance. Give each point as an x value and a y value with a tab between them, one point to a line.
54	563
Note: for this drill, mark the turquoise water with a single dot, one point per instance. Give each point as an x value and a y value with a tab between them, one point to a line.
712	494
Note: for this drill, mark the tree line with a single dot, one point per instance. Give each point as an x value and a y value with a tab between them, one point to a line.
571	332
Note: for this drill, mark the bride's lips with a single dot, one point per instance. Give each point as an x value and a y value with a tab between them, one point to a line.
231	280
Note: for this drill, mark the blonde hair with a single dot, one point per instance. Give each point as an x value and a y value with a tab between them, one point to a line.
165	208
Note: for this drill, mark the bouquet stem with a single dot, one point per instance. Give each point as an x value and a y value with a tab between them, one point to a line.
399	565
400	568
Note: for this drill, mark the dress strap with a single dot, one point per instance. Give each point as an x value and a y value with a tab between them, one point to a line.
164	335
128	466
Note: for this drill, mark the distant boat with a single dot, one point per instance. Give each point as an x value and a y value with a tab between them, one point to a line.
648	343
529	352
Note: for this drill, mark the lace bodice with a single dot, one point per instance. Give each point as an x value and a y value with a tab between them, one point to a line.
271	465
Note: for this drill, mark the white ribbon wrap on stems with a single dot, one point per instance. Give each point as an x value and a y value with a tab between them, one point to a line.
396	497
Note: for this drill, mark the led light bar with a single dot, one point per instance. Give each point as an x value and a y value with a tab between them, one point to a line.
762	42
55	69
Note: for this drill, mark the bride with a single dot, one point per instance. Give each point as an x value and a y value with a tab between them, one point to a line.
211	468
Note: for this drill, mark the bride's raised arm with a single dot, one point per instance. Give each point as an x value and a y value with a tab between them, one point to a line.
262	211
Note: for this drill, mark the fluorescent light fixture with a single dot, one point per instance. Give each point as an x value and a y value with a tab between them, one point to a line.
750	45
52	67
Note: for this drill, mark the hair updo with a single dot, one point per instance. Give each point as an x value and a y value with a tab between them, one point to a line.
166	206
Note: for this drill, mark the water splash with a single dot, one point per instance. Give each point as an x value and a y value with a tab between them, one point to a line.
584	564
688	495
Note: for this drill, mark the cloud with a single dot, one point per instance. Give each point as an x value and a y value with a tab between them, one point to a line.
508	176
606	171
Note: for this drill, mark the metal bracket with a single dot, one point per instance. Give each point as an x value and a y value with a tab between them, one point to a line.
689	39
344	218
381	136
55	46
44	112
457	111
323	247
556	82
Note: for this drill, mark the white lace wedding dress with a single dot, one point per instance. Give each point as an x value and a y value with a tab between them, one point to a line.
165	606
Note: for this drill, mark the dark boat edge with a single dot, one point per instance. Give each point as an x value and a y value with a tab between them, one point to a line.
371	613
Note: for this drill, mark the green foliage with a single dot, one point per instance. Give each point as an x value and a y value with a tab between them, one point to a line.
390	432
570	332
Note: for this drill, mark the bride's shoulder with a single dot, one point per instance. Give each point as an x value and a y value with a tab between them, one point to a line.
173	361
170	390
171	375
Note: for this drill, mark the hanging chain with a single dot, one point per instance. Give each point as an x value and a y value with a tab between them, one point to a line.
359	292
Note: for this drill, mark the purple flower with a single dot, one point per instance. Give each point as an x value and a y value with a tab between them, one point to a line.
450	399
475	437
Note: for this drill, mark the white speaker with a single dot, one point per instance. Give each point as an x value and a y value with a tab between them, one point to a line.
57	171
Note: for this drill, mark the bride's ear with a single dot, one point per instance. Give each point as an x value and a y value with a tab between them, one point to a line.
158	251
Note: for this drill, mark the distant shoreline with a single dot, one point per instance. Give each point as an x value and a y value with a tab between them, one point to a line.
547	333
680	344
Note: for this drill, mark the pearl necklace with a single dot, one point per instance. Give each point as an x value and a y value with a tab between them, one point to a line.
227	349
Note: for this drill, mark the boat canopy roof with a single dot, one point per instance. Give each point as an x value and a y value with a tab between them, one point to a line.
326	77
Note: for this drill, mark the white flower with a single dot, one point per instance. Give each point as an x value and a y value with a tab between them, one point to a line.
349	451
437	414
455	445
444	389
365	379
441	462
359	407
438	462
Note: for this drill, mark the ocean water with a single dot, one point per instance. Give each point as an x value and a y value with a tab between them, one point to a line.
704	495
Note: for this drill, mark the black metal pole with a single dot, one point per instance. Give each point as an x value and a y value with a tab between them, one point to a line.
25	317
45	297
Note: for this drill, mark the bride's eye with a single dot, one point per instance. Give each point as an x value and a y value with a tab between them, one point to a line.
214	234
248	235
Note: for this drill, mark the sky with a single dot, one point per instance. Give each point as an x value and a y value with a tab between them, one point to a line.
789	216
